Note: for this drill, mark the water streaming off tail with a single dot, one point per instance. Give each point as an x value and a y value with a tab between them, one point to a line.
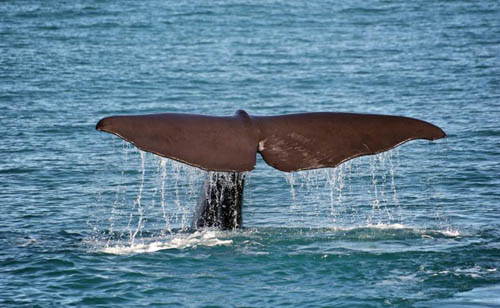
157	197
150	200
360	192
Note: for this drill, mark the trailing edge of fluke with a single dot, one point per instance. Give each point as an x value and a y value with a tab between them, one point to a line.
290	142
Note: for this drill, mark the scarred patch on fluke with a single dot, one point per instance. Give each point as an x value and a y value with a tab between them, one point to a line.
287	142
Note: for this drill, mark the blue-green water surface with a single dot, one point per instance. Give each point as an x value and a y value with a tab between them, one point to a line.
87	220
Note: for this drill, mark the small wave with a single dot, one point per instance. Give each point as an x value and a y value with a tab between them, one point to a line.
387	227
486	296
25	242
207	238
372	226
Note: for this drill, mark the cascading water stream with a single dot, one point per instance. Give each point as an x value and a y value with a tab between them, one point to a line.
357	194
161	203
165	215
138	205
360	192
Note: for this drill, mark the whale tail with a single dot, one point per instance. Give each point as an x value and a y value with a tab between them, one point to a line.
286	142
228	146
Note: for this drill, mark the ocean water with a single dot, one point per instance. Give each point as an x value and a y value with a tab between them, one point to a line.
87	220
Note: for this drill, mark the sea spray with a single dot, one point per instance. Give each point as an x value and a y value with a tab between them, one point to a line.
163	171
358	192
160	201
137	203
335	186
179	240
380	212
290	179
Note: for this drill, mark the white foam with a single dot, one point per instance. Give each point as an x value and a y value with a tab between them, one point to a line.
450	233
387	226
177	241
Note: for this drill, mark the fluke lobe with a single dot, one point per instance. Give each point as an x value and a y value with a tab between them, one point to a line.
293	142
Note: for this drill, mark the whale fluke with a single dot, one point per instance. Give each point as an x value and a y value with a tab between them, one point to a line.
207	142
319	140
287	142
228	146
